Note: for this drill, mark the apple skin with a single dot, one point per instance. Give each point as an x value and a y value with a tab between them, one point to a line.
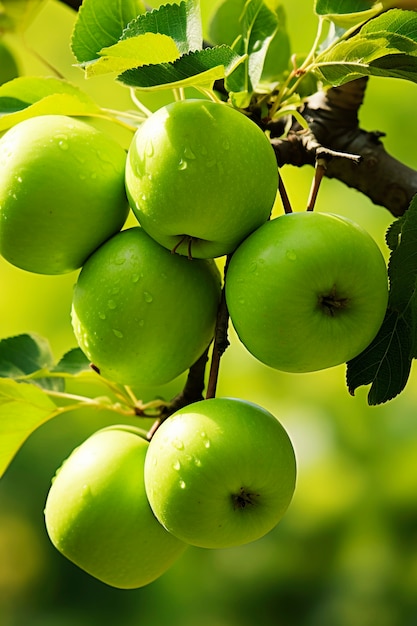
61	193
141	314
276	282
220	473
98	516
200	173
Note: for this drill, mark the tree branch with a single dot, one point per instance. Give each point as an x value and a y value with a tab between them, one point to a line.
334	132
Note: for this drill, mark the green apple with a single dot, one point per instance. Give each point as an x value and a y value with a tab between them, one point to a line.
200	176
141	314
61	193
98	516
307	291
220	473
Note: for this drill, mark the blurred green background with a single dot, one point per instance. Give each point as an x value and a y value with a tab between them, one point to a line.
346	552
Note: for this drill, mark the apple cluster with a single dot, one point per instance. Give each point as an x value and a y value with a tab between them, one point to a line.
305	291
218	473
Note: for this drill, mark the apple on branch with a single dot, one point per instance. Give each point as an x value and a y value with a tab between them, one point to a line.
307	291
200	176
98	516
62	193
220	472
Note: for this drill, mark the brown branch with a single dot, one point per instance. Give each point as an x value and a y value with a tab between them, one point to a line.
354	156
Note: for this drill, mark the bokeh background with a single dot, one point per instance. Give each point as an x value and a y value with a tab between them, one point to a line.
346	552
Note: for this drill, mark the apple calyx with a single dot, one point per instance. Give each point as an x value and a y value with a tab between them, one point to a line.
244	499
331	303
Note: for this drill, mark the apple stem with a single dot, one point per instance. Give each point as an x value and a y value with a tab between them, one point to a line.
319	173
284	196
192	392
221	341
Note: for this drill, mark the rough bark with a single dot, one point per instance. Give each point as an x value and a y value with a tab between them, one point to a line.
335	135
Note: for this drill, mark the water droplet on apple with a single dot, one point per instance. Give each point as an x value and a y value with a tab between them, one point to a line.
178	444
182	165
148	297
182	484
86	492
188	153
291	255
253	267
177	466
197	462
119	260
102	316
135	278
141	322
63	144
111	304
117	333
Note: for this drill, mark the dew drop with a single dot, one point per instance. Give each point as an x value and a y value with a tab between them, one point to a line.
135	278
111	304
182	165
63	145
188	153
119	260
253	267
86	492
291	255
117	333
178	444
102	316
207	443
182	484
148	297
197	462
177	466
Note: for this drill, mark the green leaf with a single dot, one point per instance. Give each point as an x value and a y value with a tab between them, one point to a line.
387	360
23	355
26	97
385	46
130	53
385	363
181	22
259	25
23	408
199	68
73	363
100	23
347	13
393	234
